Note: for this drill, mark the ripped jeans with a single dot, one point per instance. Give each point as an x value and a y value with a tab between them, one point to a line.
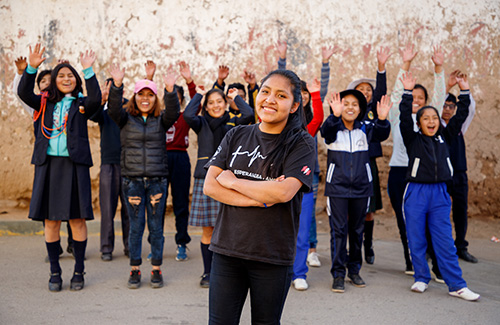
145	194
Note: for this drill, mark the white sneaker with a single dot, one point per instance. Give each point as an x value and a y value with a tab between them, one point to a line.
300	284
466	294
419	287
313	259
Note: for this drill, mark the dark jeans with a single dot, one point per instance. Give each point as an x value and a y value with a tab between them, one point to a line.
396	189
145	194
179	171
109	191
347	219
230	280
459	192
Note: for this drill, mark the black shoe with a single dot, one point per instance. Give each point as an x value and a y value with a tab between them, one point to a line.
357	281
134	281
156	279
126	252
55	282
106	257
409	269
77	282
205	280
466	256
338	285
69	249
369	255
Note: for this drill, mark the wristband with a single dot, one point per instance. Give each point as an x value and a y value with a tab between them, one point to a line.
265	206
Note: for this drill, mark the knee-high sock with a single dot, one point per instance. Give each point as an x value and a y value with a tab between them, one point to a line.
79	249
53	252
207	258
369	234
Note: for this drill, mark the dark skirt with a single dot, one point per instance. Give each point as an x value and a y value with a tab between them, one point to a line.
61	191
376	198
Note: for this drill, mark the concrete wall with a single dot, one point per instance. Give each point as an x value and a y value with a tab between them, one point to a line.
241	34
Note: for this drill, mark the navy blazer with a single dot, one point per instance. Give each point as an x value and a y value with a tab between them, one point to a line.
77	134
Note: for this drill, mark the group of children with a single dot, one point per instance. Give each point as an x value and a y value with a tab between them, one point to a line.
257	161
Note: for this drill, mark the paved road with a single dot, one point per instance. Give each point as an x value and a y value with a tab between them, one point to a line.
25	299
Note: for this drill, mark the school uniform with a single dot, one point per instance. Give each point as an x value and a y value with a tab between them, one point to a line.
64	160
426	201
349	186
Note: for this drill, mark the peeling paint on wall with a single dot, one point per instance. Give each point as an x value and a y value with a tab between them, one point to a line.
242	35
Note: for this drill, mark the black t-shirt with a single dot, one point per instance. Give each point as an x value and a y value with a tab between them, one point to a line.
254	233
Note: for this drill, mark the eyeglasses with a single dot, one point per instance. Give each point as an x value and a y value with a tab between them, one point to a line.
449	106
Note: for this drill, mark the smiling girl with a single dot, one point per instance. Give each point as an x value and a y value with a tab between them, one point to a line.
349	179
427	203
62	158
144	169
211	127
259	174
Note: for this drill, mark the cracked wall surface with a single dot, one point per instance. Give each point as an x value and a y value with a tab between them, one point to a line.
241	35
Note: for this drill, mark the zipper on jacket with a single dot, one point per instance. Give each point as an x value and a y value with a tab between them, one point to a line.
350	161
144	145
435	162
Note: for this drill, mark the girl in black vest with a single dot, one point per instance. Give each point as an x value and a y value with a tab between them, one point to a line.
144	168
61	188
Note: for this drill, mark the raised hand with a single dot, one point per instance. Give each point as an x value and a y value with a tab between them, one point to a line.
36	56
21	64
313	85
383	107
383	54
408	81
408	54
327	52
232	93
117	74
223	73
170	78
150	67
281	47
201	90
463	81
105	91
452	80
185	72
87	59
336	104
438	58
249	78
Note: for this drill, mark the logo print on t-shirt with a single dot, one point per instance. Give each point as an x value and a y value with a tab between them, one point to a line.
253	155
306	170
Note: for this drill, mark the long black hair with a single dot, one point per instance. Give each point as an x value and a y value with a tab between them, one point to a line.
307	107
54	94
294	130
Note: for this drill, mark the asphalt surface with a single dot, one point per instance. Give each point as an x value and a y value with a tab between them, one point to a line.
387	299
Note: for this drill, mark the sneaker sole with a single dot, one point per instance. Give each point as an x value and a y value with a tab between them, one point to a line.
181	259
156	285
410	273
313	265
358	285
133	286
338	290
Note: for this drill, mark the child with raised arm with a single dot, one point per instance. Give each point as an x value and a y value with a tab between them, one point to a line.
62	158
348	179
210	127
427	203
399	158
373	91
144	166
